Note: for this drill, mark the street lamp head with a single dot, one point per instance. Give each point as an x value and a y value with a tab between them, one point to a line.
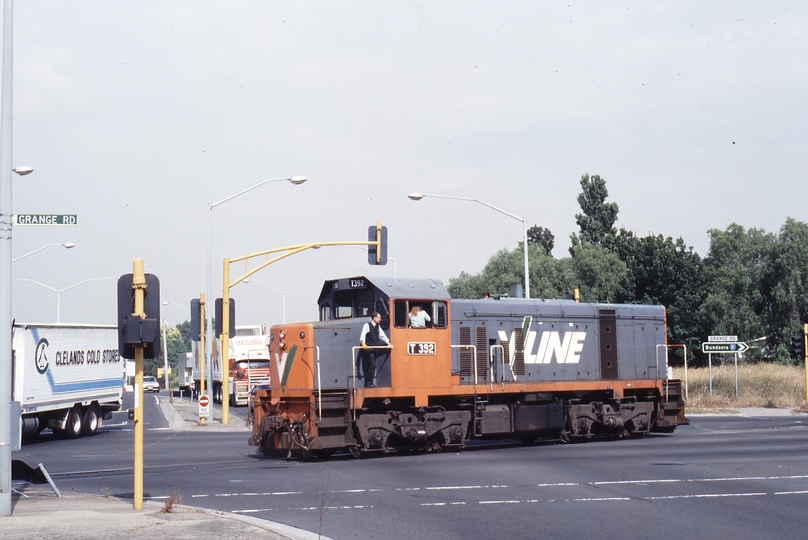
22	171
297	180
69	245
416	196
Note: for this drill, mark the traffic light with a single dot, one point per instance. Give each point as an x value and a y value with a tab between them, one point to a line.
196	320
232	323
134	330
797	345
377	233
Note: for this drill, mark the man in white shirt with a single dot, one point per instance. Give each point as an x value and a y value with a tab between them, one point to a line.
372	336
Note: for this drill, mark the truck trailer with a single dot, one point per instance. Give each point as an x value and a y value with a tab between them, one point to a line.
66	377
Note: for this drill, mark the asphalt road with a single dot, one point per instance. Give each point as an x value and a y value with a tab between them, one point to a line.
721	477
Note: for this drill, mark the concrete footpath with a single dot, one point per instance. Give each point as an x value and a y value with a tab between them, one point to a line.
38	513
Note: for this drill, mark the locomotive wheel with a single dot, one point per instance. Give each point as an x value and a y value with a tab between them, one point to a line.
354	451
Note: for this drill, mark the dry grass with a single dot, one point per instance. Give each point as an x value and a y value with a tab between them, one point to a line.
171	502
759	385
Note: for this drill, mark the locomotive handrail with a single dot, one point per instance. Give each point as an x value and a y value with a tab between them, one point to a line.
683	346
319	381
354	358
502	367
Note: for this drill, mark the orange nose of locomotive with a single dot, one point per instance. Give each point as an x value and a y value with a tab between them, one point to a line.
292	358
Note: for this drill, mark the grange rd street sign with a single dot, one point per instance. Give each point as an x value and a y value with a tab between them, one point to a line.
45	219
724	348
722	339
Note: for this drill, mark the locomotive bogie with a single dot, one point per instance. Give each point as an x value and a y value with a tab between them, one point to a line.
418	429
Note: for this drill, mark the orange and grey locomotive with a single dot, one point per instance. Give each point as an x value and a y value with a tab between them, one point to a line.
456	370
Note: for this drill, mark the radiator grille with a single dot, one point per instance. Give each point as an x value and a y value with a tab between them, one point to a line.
482	352
466	359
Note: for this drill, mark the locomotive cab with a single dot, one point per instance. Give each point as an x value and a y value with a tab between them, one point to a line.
416	360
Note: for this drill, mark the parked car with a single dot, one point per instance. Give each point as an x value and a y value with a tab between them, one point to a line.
150	384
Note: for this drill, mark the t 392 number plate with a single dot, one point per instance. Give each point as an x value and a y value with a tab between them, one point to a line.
418	347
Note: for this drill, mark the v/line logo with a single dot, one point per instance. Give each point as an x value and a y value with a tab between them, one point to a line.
284	363
565	348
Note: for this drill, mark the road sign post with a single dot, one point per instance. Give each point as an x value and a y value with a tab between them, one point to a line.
723	345
204	408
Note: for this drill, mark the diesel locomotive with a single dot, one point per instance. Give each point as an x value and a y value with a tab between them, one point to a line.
506	368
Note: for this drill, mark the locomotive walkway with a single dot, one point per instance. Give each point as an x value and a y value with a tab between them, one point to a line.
38	513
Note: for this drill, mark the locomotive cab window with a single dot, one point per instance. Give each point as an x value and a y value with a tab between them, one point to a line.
364	303
325	312
420	314
343	305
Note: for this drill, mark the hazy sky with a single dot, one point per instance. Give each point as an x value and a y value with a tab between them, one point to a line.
136	115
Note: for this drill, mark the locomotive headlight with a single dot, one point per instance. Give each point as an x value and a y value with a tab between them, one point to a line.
302	335
282	344
282	334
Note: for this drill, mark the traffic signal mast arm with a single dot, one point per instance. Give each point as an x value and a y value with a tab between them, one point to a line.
380	247
289	251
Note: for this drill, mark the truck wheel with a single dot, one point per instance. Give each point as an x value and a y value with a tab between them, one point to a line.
73	427
91	421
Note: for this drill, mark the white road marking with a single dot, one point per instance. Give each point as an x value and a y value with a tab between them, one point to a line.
674	480
526	501
703	496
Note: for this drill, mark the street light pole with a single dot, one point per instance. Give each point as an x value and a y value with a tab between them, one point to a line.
283	294
68	245
418	196
60	291
6	409
165	361
209	313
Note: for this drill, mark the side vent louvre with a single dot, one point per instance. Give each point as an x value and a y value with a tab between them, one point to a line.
482	352
466	358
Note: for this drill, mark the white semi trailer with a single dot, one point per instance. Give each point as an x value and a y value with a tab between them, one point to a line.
66	377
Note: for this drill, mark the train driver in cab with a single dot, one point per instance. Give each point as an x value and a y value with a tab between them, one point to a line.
419	317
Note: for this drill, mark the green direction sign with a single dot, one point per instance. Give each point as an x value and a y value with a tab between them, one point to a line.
724	348
45	219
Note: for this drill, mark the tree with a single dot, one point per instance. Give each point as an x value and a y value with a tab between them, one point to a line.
595	271
175	344
735	273
662	271
786	285
597	220
506	267
541	237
